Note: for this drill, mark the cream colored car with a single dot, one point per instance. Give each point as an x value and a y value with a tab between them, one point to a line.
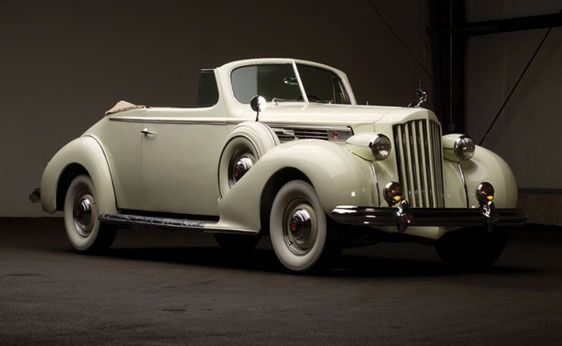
302	163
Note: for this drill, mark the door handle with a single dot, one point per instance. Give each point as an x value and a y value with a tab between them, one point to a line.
146	132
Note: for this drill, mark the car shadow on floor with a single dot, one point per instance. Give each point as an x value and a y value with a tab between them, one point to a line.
265	261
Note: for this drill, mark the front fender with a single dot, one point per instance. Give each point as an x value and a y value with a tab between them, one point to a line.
338	177
487	166
88	153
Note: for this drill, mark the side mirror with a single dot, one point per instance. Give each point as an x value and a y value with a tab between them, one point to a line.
258	105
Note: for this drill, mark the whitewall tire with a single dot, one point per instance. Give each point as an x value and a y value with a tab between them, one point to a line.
299	230
83	228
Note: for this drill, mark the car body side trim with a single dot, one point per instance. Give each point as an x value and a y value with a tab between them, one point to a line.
169	223
178	121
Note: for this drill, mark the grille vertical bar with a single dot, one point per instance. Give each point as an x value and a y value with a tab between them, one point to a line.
419	160
408	165
439	164
425	163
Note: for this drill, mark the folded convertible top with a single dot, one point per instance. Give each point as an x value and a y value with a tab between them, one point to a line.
122	106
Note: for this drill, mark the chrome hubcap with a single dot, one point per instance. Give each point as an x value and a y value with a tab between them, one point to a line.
240	165
300	227
83	214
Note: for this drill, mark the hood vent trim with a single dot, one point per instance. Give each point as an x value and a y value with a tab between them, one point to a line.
335	134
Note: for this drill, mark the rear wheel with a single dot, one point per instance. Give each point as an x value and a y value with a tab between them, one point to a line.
471	249
83	228
242	149
299	230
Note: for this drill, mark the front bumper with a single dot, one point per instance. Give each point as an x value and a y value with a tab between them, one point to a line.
403	216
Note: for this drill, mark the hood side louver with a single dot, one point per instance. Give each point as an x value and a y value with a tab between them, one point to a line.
286	134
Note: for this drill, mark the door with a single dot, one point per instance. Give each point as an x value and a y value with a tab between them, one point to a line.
180	157
121	138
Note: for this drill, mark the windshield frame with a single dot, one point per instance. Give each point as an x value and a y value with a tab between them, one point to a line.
341	84
340	75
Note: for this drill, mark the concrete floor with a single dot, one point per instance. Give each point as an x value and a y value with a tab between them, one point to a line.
158	288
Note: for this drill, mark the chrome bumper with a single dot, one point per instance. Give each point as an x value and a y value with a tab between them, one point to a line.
403	216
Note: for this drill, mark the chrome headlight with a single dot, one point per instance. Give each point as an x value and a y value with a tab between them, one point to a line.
380	146
464	148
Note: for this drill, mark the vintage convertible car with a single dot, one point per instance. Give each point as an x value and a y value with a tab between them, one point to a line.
302	163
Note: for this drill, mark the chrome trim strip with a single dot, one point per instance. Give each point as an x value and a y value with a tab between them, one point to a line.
378	191
436	164
439	168
229	121
464	183
429	166
409	173
312	126
424	163
400	160
418	183
179	121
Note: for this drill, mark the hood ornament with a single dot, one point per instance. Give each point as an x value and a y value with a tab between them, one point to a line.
421	94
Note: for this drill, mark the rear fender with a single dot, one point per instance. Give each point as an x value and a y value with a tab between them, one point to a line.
86	152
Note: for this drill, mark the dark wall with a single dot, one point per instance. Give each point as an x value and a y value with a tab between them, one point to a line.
527	133
63	63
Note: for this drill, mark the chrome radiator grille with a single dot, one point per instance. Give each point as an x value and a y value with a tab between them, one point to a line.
419	160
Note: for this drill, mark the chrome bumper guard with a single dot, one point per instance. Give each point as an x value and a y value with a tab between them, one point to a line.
403	216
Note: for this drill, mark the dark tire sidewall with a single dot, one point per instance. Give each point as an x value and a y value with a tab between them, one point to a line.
472	249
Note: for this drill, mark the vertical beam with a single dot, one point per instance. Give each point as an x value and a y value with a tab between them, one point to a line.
450	32
449	14
458	68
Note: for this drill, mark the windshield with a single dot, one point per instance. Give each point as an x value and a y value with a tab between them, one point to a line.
278	83
322	85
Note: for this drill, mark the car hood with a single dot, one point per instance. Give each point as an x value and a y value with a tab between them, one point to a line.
342	115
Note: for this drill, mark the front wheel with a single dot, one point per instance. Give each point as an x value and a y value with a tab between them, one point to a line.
471	249
299	230
83	228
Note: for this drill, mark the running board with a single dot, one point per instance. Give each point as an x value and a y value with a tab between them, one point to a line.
170	224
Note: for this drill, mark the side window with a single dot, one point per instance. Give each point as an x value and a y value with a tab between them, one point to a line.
245	83
268	80
208	91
